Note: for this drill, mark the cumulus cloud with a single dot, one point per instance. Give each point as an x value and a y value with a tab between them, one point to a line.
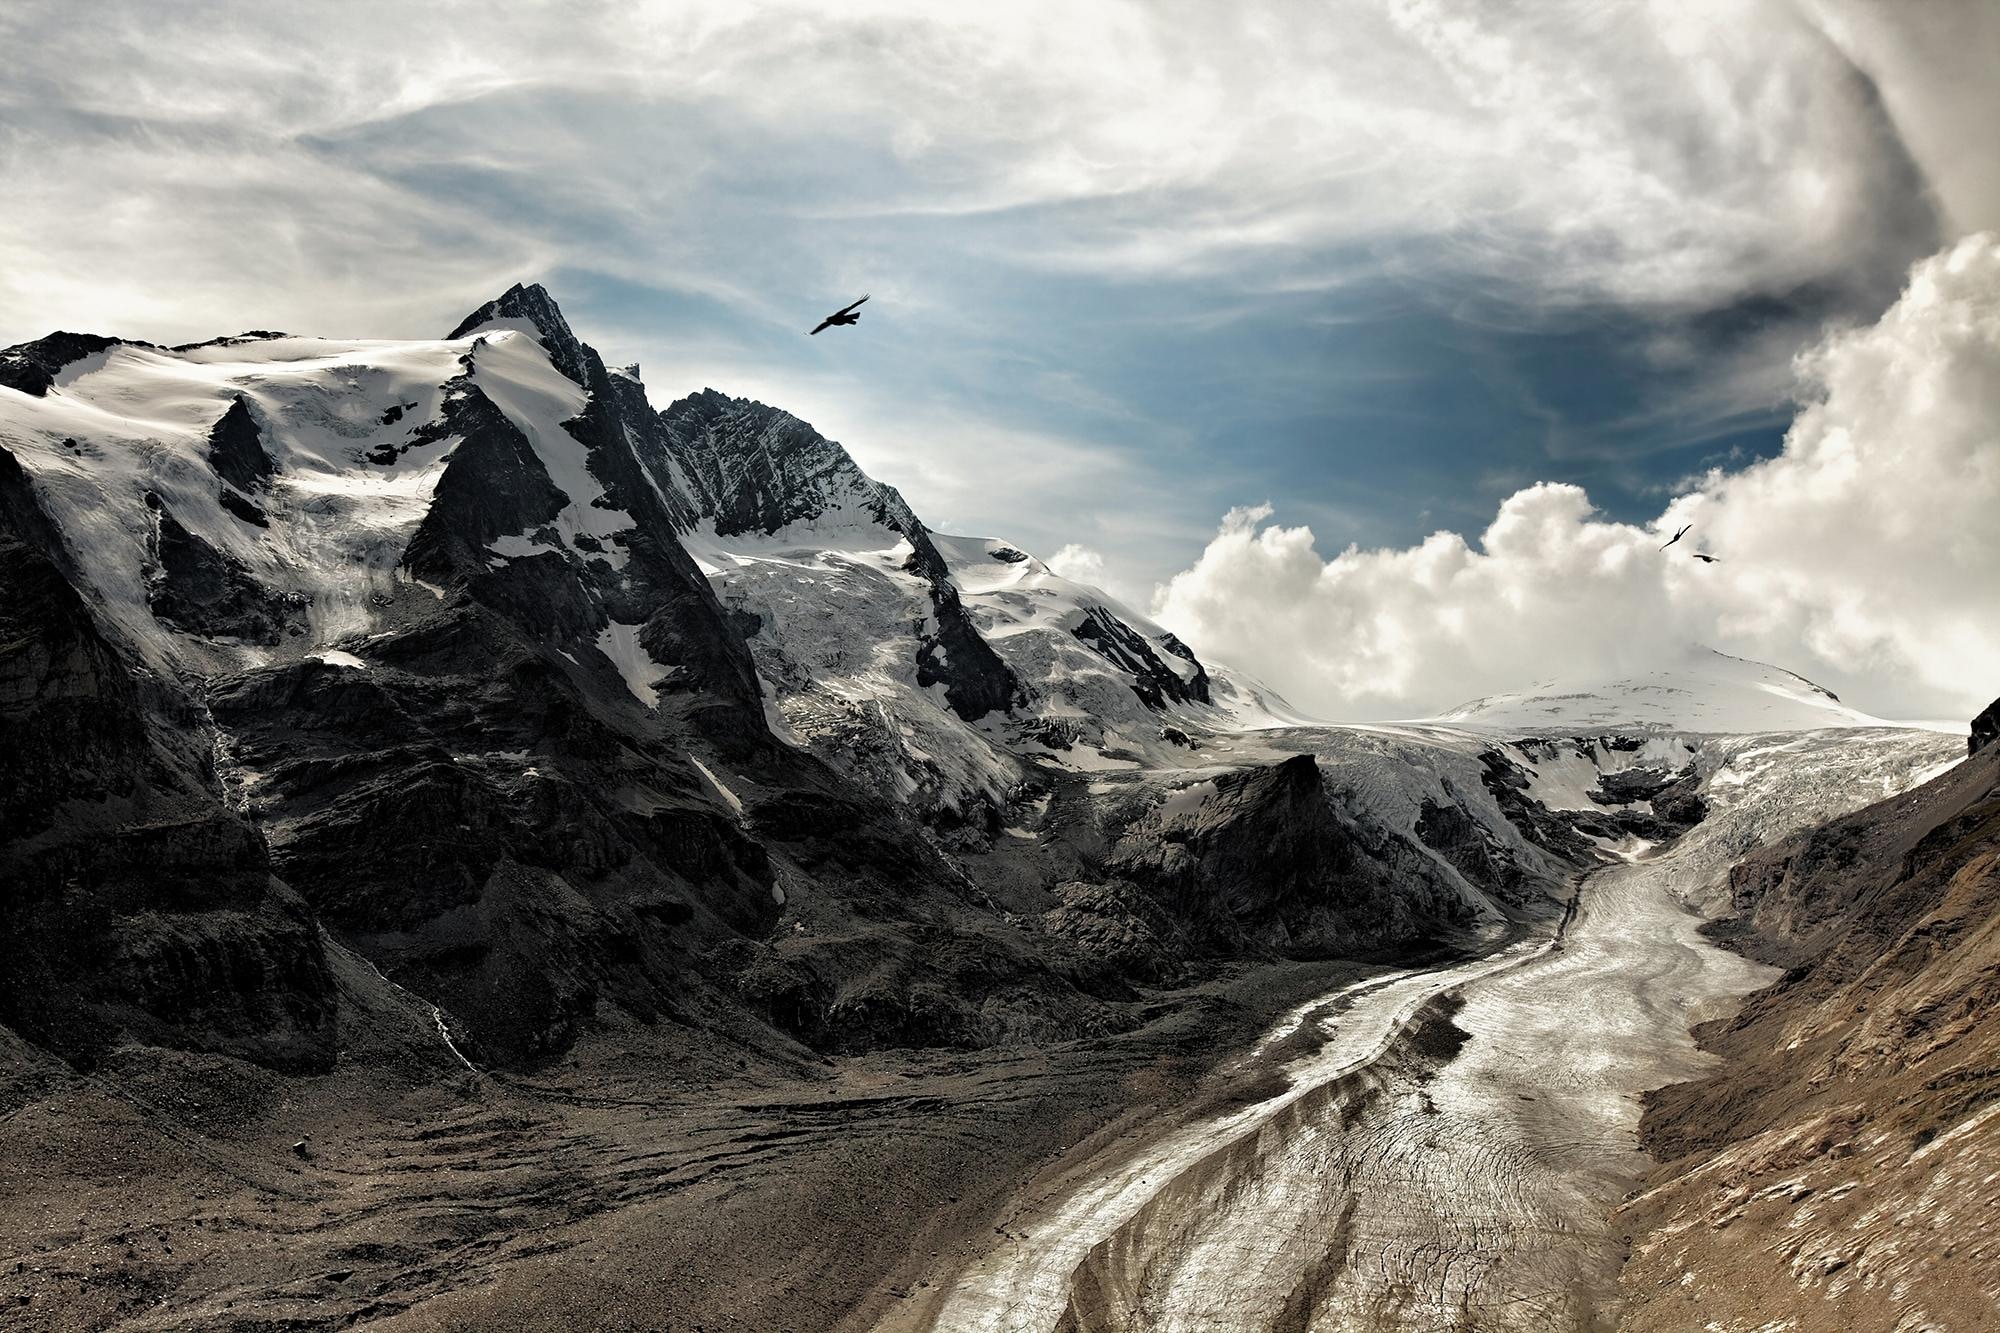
1866	555
1079	563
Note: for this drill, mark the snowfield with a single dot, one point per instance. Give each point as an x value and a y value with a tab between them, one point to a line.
1703	691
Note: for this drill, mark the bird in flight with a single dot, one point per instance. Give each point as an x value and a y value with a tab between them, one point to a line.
1704	557
845	315
1670	541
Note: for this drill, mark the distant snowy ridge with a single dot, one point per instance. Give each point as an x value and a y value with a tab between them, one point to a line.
1705	691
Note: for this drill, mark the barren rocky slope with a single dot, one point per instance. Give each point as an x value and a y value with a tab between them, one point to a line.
1839	1169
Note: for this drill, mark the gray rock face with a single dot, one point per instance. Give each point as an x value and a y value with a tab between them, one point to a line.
755	468
1985	729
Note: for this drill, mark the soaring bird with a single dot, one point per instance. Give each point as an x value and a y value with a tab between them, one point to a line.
1704	557
1676	537
845	315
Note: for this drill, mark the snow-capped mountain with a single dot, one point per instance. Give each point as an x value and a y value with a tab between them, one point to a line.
457	662
878	640
1701	691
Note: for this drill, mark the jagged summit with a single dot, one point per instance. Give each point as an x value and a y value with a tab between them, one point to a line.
529	306
754	468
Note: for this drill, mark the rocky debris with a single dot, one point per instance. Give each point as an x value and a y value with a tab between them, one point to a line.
1844	1154
136	904
1985	729
1126	933
32	367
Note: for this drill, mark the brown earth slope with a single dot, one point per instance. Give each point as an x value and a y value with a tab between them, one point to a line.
1842	1169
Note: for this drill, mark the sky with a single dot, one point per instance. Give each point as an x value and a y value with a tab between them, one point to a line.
1367	344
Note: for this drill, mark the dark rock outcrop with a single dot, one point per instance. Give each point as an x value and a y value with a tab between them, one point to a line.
236	449
752	468
207	592
1637	802
32	367
1270	861
494	485
532	304
1985	729
1473	850
1153	681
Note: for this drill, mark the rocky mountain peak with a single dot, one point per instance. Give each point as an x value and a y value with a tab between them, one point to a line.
757	468
532	304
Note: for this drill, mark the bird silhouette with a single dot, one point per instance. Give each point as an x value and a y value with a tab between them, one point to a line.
1677	536
847	314
1704	557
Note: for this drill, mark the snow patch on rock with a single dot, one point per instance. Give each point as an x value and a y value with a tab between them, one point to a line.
641	673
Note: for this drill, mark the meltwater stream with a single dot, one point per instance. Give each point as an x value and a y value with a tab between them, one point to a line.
1392	1188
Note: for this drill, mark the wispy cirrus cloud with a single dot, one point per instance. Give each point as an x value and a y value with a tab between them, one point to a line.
1205	250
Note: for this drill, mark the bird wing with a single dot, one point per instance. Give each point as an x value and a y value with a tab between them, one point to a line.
844	309
822	324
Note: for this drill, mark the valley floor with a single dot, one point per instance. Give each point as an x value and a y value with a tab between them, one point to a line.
164	1192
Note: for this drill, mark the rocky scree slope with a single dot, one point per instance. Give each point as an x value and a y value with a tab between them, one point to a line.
571	716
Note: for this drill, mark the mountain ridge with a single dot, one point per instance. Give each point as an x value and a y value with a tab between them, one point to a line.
566	712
